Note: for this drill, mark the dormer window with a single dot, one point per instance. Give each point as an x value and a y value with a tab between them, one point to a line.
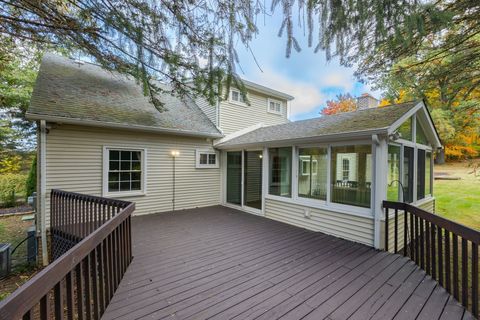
236	96
275	106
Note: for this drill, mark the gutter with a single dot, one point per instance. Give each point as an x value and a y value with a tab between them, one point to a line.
113	125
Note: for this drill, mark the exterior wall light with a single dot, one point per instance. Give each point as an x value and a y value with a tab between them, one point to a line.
175	153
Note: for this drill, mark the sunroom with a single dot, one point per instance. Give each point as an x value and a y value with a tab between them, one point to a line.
331	173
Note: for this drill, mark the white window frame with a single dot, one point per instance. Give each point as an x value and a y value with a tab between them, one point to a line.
143	181
269	100
230	97
199	165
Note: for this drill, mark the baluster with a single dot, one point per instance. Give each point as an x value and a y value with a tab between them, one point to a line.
58	298
434	258
70	295
440	255
95	289
45	308
422	245
79	284
464	272
475	279
417	243
456	289
101	277
88	296
405	232
412	238
447	262
386	229
396	231
428	247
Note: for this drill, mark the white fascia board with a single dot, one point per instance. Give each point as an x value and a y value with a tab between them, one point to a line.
338	137
404	118
426	120
112	125
266	90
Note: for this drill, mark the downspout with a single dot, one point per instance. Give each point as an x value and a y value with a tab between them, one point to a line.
43	187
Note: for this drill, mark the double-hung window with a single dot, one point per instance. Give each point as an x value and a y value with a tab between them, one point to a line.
236	96
275	106
124	171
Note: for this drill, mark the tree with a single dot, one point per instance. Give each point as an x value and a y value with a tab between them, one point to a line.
191	44
343	103
453	98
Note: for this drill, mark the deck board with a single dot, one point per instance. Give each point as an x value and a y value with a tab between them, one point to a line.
220	263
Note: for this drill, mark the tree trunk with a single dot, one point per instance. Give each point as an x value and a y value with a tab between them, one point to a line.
440	157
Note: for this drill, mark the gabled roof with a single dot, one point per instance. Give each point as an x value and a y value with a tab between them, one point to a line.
67	91
356	123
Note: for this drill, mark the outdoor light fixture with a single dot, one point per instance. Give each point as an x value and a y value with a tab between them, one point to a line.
260	156
395	136
175	153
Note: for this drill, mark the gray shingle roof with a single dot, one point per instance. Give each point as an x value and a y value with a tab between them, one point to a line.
86	92
343	123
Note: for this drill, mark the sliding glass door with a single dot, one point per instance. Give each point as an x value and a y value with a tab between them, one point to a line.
244	168
234	177
252	174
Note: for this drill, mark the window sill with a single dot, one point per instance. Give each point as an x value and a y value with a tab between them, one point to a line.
238	103
124	194
277	113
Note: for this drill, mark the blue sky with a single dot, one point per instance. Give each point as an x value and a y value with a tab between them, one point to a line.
305	75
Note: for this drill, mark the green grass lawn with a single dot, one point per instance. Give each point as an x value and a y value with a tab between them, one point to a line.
458	200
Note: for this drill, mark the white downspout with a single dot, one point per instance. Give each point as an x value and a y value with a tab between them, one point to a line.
43	187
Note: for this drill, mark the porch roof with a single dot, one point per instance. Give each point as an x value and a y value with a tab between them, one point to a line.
348	124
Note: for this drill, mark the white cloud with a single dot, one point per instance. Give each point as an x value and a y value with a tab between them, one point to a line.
308	96
341	79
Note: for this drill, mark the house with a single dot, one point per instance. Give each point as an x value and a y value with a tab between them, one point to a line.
99	135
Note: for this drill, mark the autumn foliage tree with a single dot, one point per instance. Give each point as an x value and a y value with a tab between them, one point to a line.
342	103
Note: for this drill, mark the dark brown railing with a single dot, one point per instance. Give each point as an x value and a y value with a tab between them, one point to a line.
446	250
80	283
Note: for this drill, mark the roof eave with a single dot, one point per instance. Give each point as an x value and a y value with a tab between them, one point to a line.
113	125
358	135
267	90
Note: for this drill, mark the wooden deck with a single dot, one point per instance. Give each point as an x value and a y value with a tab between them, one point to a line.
219	263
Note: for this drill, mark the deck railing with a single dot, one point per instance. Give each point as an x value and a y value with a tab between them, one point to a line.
446	250
80	283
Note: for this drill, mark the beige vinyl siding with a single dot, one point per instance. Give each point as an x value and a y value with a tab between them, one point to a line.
427	205
209	110
74	163
234	116
350	227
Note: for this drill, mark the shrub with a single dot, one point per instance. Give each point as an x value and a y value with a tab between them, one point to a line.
31	183
11	186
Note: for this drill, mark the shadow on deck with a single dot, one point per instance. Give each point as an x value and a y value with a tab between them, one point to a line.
220	263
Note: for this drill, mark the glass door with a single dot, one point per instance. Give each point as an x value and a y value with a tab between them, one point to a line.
252	175
234	177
